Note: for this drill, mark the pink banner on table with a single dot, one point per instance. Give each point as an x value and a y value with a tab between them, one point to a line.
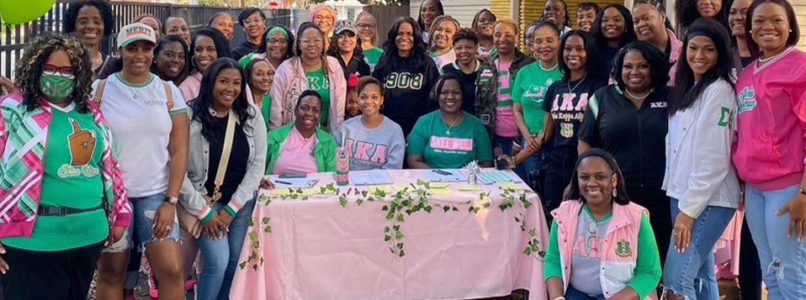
319	250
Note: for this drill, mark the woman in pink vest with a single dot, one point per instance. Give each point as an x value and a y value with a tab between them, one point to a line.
601	245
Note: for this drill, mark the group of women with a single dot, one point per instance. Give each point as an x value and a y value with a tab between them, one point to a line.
636	141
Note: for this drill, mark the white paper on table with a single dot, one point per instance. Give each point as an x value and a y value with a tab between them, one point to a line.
293	182
370	178
454	176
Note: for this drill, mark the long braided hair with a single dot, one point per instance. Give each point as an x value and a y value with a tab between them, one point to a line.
29	69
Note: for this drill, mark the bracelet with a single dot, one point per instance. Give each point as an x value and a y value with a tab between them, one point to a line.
515	163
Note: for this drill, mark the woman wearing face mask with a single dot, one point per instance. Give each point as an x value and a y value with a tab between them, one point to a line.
309	69
177	26
368	33
375	141
556	12
430	10
275	48
651	25
494	87
629	120
153	160
170	63
61	240
483	25
223	126
222	22
598	225
528	94
612	30
253	22
700	179
259	75
448	137
408	73
344	47
301	146
770	148
440	41
91	21
208	45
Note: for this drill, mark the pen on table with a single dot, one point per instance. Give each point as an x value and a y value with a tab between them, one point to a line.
412	185
283	182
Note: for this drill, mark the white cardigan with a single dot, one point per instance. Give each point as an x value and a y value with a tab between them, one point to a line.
699	172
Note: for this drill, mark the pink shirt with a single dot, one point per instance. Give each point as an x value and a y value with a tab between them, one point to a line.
191	86
771	122
296	154
504	114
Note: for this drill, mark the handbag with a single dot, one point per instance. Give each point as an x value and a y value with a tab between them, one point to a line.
190	222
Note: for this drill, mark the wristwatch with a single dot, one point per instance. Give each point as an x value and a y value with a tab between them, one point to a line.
171	200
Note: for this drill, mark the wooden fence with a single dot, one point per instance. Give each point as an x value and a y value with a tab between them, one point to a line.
14	38
386	16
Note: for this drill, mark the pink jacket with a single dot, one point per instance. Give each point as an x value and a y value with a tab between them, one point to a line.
619	252
191	86
290	81
674	55
770	150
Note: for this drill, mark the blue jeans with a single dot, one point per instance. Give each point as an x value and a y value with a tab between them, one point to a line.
143	219
221	255
691	274
572	294
783	260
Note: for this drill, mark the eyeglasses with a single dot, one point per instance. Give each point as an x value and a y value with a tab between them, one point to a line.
277	40
366	25
51	70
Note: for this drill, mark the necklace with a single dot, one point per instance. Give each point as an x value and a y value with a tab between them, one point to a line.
593	227
576	85
639	98
455	121
215	113
546	69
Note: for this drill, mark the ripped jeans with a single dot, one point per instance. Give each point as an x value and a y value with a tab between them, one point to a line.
783	260
691	274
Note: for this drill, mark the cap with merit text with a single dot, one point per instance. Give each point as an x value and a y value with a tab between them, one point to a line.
136	32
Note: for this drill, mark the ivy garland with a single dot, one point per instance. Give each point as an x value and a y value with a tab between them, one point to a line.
399	205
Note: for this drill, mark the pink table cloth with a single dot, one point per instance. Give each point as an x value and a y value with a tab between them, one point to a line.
320	250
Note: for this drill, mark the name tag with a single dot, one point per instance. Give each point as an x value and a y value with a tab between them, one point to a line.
657	105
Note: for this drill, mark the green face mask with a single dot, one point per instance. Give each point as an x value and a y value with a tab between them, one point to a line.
56	88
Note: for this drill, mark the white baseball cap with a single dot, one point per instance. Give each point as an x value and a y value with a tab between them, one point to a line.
136	32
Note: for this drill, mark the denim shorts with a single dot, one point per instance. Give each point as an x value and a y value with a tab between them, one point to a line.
141	232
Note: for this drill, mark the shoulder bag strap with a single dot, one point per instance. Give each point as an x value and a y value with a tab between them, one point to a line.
225	153
168	95
99	92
